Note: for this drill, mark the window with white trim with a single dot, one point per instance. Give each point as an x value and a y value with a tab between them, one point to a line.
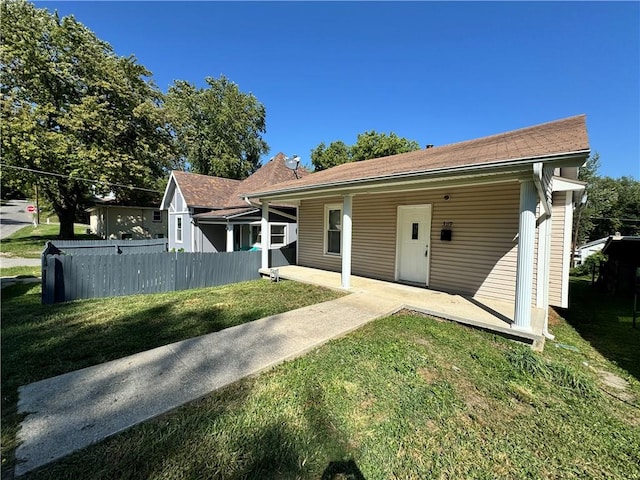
333	227
179	229
278	234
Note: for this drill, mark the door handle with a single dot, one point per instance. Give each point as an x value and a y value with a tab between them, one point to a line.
426	252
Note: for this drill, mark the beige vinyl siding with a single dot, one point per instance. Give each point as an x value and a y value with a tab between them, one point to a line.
480	259
311	235
557	261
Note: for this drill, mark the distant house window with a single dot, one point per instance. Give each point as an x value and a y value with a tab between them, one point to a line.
126	236
332	220
277	234
157	216
179	229
159	235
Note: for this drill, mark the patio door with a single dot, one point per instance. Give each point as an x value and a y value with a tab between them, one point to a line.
413	244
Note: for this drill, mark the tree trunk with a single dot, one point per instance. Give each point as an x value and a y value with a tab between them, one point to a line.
66	217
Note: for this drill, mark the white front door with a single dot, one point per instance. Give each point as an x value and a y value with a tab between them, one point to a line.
414	238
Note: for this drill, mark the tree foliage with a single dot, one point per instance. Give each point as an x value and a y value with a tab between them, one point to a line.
612	205
368	145
218	129
71	106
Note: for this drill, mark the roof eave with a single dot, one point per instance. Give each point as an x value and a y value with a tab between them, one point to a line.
577	159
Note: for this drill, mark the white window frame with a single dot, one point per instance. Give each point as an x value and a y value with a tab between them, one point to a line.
179	229
325	234
284	234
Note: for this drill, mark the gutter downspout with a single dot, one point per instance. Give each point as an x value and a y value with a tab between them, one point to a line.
538	171
537	180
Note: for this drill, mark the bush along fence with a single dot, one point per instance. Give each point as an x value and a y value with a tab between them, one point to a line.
77	276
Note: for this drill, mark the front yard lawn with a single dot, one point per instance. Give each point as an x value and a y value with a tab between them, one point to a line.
28	242
41	341
405	397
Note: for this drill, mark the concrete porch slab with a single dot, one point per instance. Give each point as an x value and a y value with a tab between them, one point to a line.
479	312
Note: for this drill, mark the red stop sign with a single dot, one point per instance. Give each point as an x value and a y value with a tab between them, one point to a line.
31	209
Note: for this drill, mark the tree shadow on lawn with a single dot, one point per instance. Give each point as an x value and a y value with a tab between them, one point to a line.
237	432
605	321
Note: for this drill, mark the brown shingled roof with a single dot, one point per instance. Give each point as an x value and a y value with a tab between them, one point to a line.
272	173
564	136
218	193
203	190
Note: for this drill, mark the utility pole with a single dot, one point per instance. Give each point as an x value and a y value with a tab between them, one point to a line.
37	205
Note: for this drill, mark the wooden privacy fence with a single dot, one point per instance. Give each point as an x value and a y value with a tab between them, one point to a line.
99	247
72	277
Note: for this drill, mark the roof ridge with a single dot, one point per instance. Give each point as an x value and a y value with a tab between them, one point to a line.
516	130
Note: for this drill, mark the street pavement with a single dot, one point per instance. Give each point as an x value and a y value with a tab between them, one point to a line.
13	217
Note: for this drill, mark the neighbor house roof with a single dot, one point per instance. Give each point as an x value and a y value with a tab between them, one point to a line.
553	139
204	191
593	243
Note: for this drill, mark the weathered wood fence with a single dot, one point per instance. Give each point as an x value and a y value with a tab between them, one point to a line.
71	277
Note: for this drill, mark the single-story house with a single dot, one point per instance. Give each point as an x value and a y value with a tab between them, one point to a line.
621	272
109	220
210	214
588	249
490	217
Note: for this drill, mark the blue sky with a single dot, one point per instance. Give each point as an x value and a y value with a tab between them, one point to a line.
434	72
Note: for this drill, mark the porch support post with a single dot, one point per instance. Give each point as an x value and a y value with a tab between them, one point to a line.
524	266
229	237
345	248
264	234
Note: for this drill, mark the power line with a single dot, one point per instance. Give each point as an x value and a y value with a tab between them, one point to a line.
109	184
616	218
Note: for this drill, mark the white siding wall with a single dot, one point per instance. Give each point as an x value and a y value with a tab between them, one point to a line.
561	226
480	259
177	209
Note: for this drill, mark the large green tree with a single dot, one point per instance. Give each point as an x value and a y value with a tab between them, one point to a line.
218	129
72	107
368	145
612	205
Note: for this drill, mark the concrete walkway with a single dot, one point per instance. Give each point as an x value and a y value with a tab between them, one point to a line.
6	261
74	410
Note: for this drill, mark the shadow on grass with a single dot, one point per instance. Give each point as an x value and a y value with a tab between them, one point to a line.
343	470
605	321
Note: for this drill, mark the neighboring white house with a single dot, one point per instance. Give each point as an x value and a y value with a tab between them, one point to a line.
110	221
588	249
210	214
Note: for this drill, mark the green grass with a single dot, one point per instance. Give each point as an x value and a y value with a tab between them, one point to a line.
28	242
606	323
20	271
41	341
403	397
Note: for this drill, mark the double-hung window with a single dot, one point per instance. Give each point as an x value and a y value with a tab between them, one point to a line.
333	227
278	234
179	228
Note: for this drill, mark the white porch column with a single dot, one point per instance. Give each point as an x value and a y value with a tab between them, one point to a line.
345	247
229	237
264	234
526	242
